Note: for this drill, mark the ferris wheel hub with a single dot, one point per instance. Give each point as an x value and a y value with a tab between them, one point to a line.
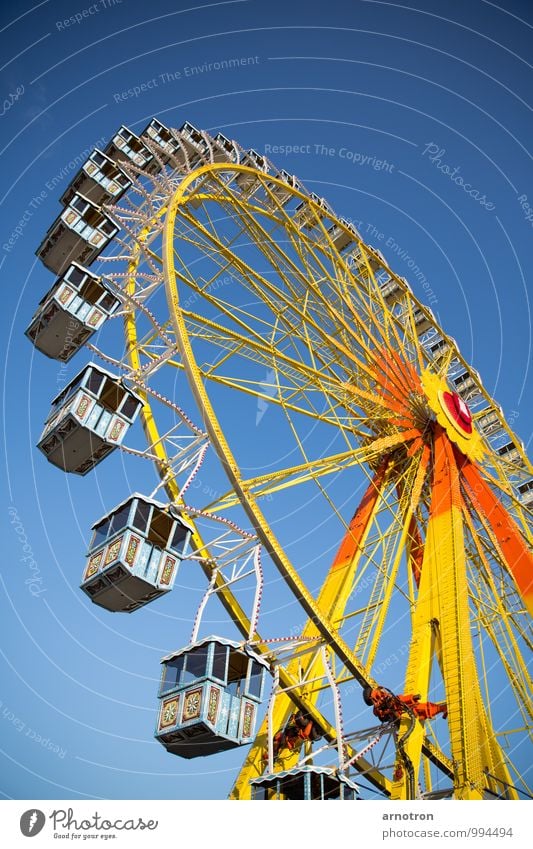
453	414
457	410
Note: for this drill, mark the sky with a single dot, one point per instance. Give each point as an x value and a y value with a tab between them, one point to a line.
377	106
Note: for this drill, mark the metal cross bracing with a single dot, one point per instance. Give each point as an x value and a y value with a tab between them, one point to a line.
240	350
232	274
457	741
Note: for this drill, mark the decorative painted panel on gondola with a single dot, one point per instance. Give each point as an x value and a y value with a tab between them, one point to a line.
135	553
221	683
305	782
76	307
79	234
88	419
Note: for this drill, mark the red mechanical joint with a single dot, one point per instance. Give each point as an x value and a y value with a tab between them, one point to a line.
389	707
398	773
386	706
299	728
423	710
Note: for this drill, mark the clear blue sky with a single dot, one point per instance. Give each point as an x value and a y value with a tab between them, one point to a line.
375	95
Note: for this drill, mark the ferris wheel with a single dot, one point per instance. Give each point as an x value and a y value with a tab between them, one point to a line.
354	454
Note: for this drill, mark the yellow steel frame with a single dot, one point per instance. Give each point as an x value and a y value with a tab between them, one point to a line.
287	677
438	607
439	629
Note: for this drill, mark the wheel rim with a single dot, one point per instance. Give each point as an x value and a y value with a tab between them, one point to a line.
383	435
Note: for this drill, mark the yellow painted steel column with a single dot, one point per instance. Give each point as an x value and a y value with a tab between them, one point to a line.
442	616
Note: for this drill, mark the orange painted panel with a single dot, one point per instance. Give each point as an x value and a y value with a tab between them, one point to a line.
360	520
514	548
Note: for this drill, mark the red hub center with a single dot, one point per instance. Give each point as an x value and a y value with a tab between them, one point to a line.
458	410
